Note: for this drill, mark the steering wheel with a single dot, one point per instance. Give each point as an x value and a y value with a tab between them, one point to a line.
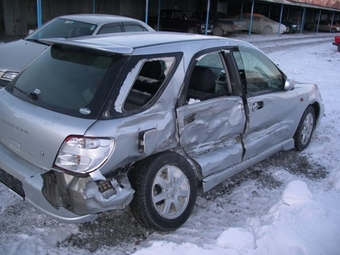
220	79
220	84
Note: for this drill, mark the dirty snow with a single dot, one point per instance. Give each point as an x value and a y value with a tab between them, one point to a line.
287	204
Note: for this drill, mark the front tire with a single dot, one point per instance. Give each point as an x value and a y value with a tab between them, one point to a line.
165	191
305	129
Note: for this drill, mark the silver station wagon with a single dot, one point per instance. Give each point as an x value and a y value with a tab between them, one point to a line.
101	123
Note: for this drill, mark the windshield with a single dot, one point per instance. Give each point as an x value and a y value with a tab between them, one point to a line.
189	15
73	82
221	15
267	19
62	28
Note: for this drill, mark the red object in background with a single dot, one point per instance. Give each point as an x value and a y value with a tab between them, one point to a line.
337	42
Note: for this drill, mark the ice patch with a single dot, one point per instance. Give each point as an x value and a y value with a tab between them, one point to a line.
334	179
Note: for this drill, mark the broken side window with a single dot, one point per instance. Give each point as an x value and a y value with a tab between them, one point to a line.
148	82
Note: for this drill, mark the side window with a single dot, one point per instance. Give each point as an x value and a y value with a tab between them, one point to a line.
209	78
258	73
81	31
178	15
149	80
110	28
133	28
166	14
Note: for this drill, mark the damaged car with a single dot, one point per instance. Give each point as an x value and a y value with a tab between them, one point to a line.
147	122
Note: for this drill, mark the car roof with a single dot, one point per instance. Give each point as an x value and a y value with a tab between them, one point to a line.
98	18
254	14
180	10
126	43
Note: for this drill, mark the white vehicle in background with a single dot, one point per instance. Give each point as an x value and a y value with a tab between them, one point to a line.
222	24
261	24
16	55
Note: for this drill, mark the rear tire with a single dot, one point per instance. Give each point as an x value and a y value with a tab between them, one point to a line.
217	31
339	47
165	191
192	30
305	129
154	26
268	30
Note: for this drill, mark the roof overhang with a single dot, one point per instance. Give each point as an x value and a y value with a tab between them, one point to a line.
299	4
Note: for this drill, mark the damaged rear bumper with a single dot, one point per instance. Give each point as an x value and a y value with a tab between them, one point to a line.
82	195
63	197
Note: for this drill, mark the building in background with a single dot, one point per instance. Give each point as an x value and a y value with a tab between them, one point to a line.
17	17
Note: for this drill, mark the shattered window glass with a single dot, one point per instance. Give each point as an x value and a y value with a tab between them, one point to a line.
149	80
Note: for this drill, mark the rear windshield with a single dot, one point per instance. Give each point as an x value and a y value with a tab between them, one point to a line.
72	82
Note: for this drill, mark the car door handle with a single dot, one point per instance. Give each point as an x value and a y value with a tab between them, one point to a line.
257	105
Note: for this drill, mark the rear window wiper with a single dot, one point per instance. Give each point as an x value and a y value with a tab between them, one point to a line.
32	95
36	41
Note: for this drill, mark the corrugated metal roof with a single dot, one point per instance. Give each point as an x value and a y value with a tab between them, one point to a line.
300	4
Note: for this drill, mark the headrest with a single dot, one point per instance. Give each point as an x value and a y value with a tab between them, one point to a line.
202	79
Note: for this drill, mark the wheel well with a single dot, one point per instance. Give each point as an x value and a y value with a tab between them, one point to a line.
194	165
316	108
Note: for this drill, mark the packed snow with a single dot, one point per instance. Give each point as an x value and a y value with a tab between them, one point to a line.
287	204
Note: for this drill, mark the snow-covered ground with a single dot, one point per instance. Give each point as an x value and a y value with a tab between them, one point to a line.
287	204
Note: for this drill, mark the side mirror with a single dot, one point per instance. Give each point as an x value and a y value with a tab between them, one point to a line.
289	84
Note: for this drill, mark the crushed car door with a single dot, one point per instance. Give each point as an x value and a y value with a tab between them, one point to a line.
211	123
271	115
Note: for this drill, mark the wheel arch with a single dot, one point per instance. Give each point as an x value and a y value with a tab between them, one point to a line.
317	110
196	168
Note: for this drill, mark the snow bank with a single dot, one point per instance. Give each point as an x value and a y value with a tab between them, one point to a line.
295	193
299	224
236	238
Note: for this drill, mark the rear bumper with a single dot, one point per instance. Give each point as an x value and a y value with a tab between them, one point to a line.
64	197
28	181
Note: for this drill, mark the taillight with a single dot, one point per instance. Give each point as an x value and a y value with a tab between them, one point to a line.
81	154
